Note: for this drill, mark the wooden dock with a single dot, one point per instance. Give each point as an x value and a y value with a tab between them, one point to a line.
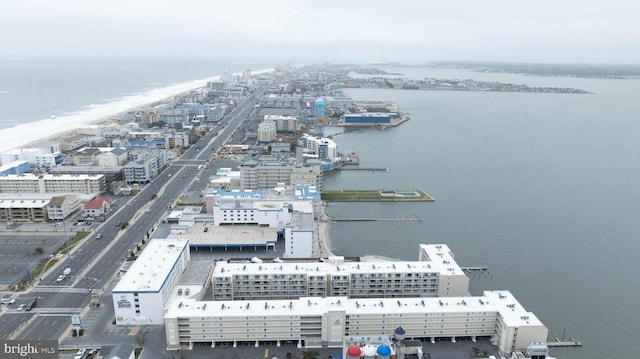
557	343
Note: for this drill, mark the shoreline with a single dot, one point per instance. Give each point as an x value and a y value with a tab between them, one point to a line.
324	241
73	122
105	120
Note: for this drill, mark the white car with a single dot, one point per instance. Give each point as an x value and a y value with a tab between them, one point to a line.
79	354
61	277
7	300
21	306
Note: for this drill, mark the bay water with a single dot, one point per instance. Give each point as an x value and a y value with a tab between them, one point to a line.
540	188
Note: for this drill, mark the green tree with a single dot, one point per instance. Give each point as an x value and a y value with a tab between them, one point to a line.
310	354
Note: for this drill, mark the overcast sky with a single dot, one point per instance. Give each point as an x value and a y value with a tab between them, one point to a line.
567	31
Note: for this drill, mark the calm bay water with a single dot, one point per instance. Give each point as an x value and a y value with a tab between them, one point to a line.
541	188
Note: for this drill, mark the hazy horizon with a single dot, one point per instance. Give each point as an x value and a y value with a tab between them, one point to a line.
568	32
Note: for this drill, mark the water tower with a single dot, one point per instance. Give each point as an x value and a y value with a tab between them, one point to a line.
320	107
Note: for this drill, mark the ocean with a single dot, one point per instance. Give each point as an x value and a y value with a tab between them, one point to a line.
40	97
540	188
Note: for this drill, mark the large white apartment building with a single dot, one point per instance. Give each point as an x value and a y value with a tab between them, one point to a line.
143	292
30	183
317	322
436	274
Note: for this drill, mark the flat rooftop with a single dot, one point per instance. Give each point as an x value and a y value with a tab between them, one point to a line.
339	267
236	235
488	303
149	272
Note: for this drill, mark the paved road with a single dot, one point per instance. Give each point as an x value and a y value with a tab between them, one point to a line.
96	261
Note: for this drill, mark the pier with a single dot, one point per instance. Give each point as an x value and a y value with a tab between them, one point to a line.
557	343
475	269
370	169
414	218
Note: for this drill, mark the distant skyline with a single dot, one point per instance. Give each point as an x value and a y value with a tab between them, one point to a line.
540	31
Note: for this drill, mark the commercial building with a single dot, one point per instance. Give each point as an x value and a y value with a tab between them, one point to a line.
294	218
145	289
368	118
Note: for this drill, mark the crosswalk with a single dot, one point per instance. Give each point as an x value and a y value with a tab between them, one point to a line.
49	311
56	311
56	289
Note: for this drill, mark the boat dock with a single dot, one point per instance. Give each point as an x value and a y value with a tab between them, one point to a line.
475	269
557	343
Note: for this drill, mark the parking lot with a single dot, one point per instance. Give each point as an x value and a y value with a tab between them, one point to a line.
22	251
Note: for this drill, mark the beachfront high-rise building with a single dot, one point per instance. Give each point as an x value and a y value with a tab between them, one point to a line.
227	76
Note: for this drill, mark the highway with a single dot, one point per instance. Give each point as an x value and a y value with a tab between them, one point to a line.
95	263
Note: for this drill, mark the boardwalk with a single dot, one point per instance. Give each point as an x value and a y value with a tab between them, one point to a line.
414	218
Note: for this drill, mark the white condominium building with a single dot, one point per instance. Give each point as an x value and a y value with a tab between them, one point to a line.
435	275
318	322
30	183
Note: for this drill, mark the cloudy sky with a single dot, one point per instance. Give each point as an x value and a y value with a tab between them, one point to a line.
567	31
